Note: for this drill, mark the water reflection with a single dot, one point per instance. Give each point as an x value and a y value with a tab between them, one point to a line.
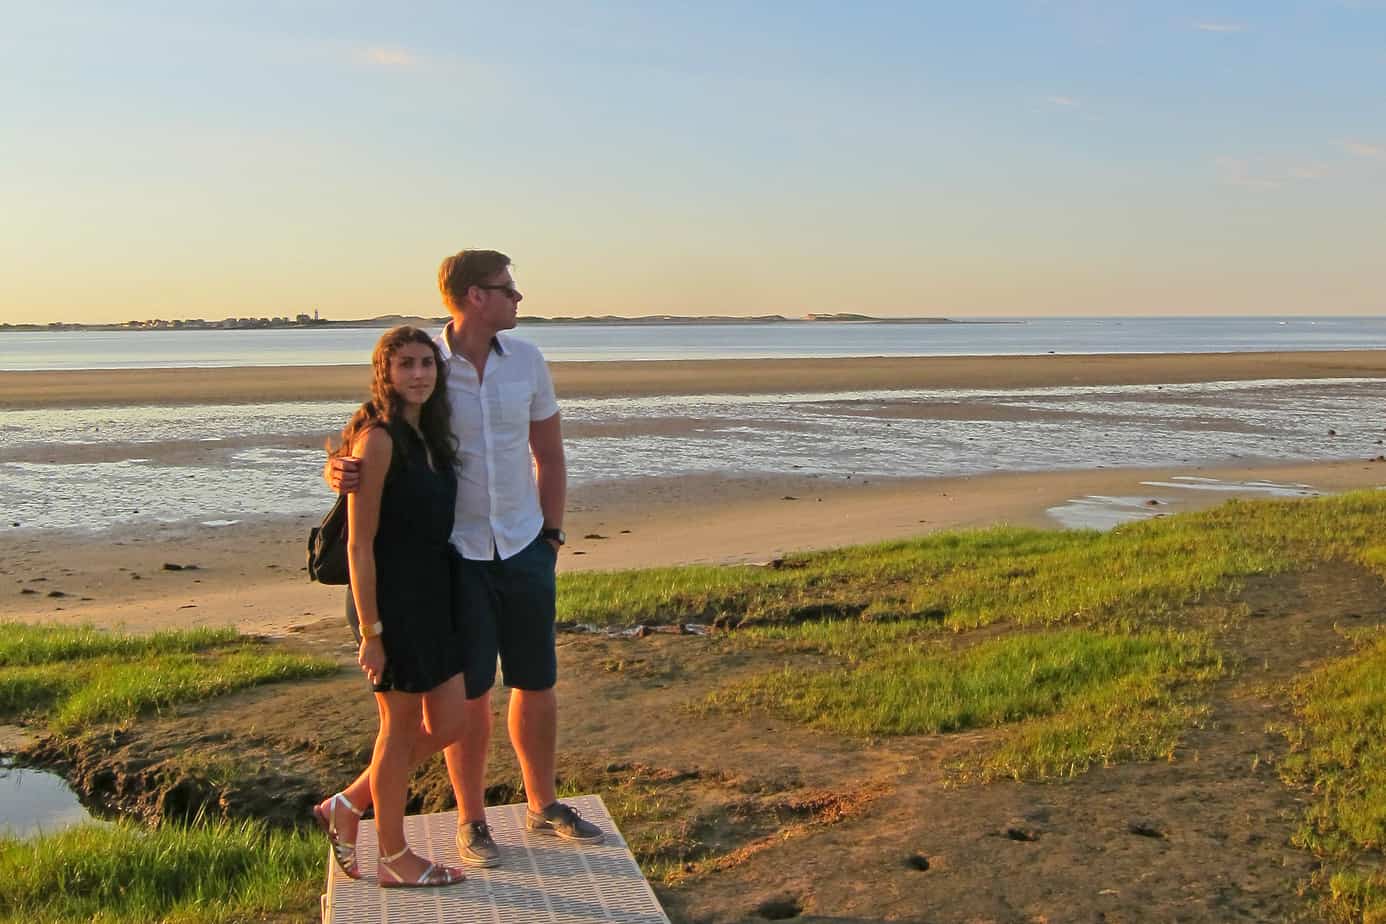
1103	512
108	467
35	801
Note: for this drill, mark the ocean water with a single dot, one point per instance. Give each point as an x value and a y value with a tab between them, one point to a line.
560	342
98	469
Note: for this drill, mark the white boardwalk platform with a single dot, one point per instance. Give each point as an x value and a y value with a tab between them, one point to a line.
541	879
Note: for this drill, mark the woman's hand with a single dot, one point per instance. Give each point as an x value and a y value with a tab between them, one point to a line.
371	657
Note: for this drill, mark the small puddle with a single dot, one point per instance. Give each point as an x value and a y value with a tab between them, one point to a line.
1097	511
35	801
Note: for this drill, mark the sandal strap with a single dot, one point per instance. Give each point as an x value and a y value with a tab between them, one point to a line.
394	856
341	797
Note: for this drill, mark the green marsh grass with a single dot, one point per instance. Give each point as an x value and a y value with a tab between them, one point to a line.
76	678
925	689
126	874
1120	681
39	644
1338	748
1134	575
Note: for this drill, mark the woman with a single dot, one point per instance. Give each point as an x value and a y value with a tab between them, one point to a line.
399	522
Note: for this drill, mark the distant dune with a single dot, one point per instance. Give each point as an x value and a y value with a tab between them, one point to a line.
392	320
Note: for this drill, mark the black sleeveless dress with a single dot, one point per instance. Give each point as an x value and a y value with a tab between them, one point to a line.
413	562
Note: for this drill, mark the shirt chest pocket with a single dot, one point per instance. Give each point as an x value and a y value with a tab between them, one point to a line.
509	403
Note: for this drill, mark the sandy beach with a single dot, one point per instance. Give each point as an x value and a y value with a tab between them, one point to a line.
249	573
92	388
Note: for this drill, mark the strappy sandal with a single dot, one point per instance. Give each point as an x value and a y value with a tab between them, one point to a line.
342	852
433	874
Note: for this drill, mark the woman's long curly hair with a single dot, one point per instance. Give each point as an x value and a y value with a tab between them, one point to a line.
385	404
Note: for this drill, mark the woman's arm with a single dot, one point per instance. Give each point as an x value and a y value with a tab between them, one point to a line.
373	448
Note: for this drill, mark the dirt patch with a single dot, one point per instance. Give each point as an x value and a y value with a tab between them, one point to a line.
1203	837
747	818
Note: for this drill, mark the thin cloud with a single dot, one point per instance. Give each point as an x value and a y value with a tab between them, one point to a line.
1220	27
1064	101
1363	149
1235	172
383	56
1307	171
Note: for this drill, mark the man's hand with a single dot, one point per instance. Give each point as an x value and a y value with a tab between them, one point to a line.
342	474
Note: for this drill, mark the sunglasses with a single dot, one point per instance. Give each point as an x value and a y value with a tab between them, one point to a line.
510	291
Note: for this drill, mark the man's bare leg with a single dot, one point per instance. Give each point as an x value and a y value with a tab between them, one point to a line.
467	758
533	723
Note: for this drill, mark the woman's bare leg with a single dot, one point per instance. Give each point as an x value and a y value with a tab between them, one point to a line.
444	707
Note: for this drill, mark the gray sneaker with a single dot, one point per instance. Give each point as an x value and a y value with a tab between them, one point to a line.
475	846
564	821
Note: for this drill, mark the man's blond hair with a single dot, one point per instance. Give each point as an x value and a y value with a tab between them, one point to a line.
465	269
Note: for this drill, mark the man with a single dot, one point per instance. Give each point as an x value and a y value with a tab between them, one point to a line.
508	530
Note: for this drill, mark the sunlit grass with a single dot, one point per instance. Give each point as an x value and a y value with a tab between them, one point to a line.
922	689
78	678
1338	749
21	643
125	874
1137	574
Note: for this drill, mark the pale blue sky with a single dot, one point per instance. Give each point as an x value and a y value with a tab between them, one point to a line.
204	160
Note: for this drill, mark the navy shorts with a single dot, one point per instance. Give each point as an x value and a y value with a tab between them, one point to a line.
505	608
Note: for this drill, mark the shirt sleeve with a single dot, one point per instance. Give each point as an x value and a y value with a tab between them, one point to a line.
544	404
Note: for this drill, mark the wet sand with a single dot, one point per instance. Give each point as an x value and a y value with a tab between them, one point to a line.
88	388
250	575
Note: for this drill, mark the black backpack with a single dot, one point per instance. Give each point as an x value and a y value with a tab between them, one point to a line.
327	547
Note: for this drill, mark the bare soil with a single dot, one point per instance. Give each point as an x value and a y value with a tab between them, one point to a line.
746	818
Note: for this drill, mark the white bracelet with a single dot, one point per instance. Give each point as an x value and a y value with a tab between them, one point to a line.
374	630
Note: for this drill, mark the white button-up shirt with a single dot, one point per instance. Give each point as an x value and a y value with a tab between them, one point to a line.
497	494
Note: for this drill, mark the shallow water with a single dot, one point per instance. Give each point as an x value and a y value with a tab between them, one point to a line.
35	801
1103	512
99	469
607	342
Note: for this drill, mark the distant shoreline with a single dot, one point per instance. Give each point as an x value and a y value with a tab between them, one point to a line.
649	320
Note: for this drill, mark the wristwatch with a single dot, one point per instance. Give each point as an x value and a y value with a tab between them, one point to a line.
553	534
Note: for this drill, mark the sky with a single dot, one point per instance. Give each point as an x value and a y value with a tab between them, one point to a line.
191	159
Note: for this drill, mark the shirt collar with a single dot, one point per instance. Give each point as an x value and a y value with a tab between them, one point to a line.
445	347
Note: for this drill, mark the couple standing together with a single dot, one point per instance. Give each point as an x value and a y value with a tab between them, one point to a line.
453	538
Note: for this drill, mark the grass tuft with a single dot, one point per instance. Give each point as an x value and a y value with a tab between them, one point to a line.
76	678
124	874
1338	748
932	689
124	690
22	644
